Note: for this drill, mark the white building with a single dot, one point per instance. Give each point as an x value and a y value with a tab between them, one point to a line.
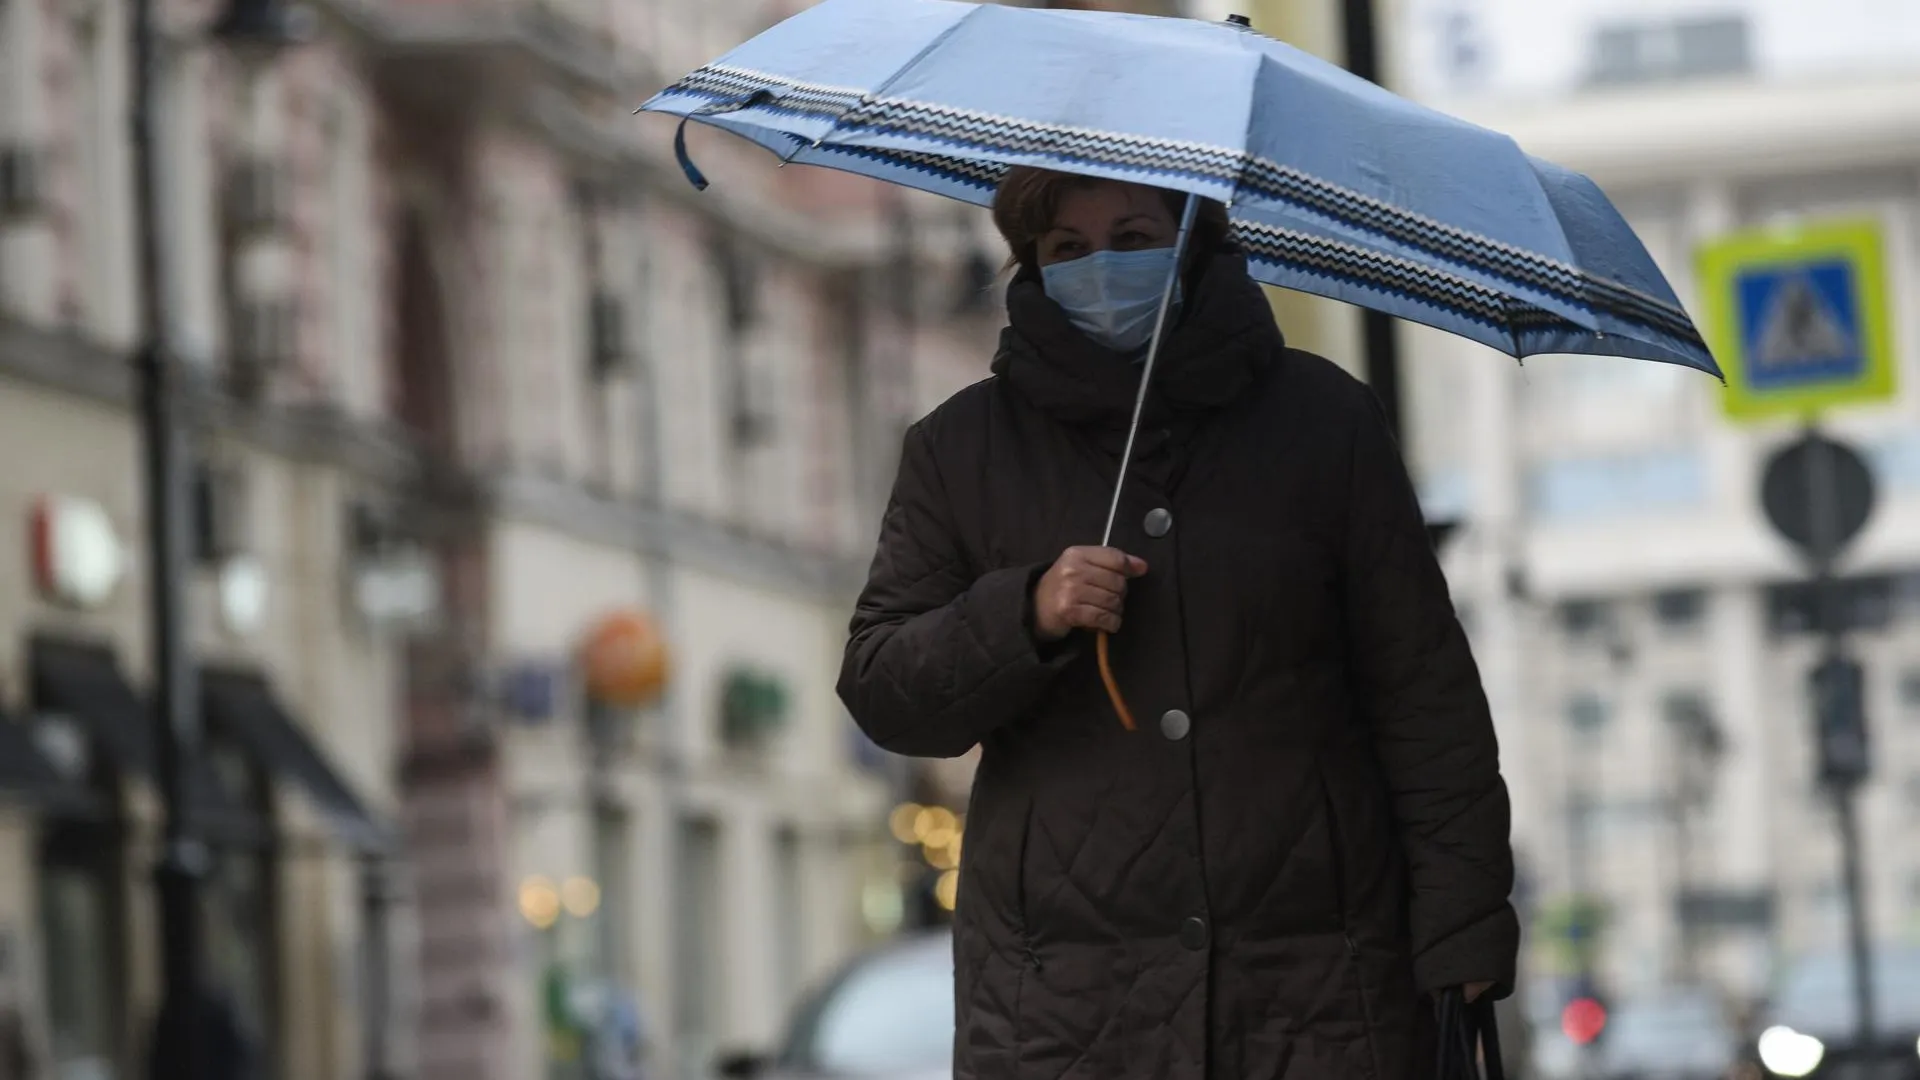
1616	570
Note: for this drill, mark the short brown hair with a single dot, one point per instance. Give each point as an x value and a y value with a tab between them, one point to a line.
1029	199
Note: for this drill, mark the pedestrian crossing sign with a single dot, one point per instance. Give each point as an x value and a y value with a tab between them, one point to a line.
1798	318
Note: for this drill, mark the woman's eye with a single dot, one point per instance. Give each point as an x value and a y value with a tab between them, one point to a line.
1068	249
1133	240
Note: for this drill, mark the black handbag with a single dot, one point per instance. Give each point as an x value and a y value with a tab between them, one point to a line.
1469	1039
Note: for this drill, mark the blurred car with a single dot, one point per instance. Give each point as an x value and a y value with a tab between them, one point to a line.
1809	1028
888	1015
1674	1035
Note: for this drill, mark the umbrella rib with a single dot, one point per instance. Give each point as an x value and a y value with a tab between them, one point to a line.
1180	244
870	96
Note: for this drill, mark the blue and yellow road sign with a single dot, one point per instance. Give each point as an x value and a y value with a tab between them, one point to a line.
1798	318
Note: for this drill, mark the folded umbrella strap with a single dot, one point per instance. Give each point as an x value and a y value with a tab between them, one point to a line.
694	175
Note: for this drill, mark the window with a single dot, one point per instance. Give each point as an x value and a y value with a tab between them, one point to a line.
789	913
1576	489
81	916
749	412
697	960
1680	609
1698	744
95	127
612	871
739	286
239	915
1864	604
1713	46
1910	692
1627	53
187	161
1587	713
1584	618
1691	720
349	269
77	927
1465	53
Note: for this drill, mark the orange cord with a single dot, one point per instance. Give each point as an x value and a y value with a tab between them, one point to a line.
1113	685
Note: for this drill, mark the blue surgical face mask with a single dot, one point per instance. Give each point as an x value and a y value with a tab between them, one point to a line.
1113	296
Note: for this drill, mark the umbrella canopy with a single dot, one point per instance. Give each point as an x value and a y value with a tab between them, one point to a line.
1335	186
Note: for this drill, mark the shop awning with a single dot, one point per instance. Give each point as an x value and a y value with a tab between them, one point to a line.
27	776
242	707
83	681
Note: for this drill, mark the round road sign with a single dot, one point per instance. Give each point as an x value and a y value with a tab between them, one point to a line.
1818	493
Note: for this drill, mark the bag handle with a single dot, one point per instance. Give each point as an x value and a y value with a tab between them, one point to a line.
1467	1031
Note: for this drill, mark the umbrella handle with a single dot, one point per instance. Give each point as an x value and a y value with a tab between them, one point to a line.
1113	685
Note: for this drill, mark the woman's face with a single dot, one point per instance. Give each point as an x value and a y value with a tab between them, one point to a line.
1107	216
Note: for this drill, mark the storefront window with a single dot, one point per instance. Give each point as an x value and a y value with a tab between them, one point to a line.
82	961
697	984
789	913
80	908
242	947
612	872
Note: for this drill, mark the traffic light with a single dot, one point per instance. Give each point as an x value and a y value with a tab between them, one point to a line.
1838	689
1583	1019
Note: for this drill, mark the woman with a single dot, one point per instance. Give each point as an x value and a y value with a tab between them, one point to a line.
1309	834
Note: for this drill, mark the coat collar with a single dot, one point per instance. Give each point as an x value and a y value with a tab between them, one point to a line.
1225	339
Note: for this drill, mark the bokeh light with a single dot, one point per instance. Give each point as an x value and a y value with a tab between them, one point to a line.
946	891
935	827
902	821
945	856
581	896
539	902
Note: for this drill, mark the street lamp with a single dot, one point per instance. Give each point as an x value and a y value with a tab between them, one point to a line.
255	25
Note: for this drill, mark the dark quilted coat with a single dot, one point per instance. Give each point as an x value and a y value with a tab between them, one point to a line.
1310	829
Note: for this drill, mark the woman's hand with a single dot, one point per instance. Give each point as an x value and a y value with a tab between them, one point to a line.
1083	590
1473	990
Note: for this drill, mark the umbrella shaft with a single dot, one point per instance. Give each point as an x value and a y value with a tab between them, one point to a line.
1187	218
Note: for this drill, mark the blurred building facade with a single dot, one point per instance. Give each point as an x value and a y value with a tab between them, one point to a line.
477	372
1637	620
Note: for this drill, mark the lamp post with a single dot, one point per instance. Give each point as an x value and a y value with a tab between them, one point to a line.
1360	27
184	858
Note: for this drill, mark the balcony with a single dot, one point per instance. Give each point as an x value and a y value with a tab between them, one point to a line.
477	42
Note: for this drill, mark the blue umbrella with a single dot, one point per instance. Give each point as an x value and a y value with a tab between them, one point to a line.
1335	186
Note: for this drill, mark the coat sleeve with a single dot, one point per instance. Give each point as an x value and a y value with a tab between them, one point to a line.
938	657
1432	731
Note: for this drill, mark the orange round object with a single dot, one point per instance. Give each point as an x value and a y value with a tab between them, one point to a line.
624	660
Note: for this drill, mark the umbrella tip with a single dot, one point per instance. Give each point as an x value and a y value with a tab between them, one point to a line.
1240	20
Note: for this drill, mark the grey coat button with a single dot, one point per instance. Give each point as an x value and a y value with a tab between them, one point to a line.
1159	522
1193	934
1175	724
